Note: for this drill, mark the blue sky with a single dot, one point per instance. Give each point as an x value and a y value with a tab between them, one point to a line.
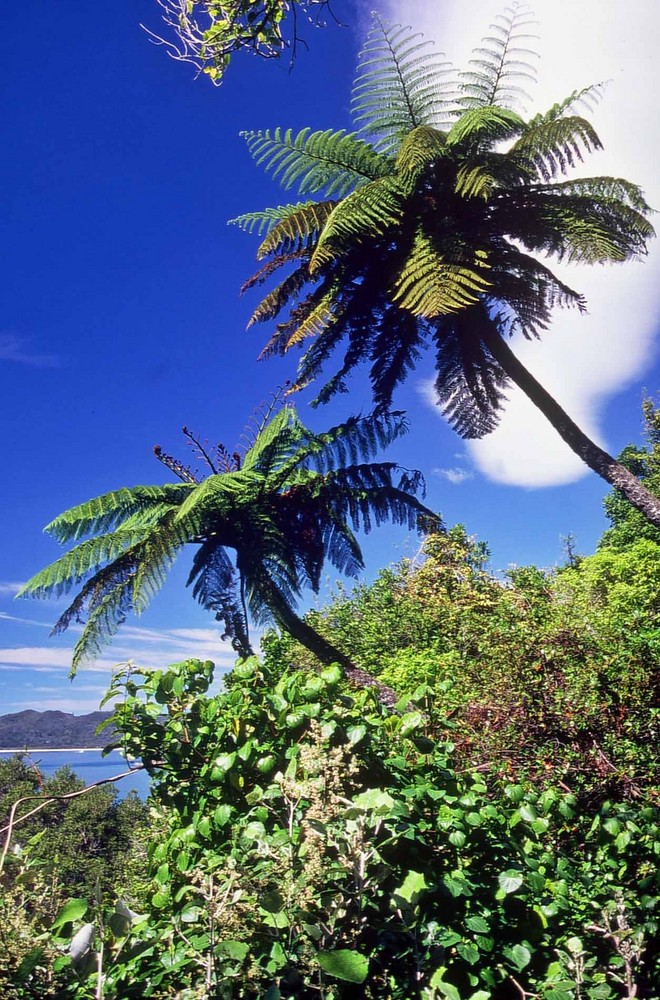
120	318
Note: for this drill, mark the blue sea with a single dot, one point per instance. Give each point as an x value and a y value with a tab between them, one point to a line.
90	766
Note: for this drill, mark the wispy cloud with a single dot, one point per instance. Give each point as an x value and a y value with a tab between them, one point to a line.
9	588
454	476
582	360
13	348
22	621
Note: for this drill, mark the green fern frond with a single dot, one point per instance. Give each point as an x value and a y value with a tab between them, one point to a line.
608	189
264	220
501	63
587	97
330	161
429	286
418	150
285	293
159	551
297	230
105	512
216	493
485	124
553	146
60	576
275	442
316	321
402	83
366	213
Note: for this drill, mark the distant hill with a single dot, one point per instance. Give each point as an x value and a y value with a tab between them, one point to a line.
40	730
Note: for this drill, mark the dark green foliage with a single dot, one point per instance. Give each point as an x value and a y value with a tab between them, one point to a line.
284	505
316	844
628	524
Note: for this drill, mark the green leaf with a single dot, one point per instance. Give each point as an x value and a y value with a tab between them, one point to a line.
411	889
236	950
477	924
468	951
510	880
344	964
71	911
519	956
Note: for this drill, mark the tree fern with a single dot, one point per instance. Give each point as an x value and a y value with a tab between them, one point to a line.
430	286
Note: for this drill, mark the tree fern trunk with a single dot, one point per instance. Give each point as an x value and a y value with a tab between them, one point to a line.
326	652
590	453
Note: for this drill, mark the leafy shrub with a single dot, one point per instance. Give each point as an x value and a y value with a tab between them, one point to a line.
318	845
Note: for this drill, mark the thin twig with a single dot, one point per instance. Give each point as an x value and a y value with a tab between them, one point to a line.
44	801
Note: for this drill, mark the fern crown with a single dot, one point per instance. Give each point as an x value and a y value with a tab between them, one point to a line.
435	219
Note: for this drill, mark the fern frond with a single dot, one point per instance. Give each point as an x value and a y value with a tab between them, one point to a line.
264	220
285	293
587	97
216	494
418	150
271	266
574	228
215	589
60	576
608	189
159	550
429	286
330	161
111	509
485	125
316	321
469	383
401	83
501	63
552	147
366	213
298	229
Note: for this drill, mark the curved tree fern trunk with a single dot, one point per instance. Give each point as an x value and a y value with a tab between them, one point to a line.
326	652
590	453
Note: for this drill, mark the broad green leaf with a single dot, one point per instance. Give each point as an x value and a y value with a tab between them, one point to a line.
411	889
344	964
73	910
510	880
519	956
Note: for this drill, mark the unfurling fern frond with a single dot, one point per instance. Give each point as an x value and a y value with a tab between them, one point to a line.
501	63
298	229
362	216
469	383
402	83
334	162
430	286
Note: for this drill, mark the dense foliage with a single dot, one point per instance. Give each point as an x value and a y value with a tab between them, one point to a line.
89	847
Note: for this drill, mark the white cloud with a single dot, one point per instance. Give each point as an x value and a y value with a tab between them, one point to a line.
9	588
582	360
22	621
13	348
146	647
454	476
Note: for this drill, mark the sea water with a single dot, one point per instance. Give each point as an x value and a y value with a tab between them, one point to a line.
89	766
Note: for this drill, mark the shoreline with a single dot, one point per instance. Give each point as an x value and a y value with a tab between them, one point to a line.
56	750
